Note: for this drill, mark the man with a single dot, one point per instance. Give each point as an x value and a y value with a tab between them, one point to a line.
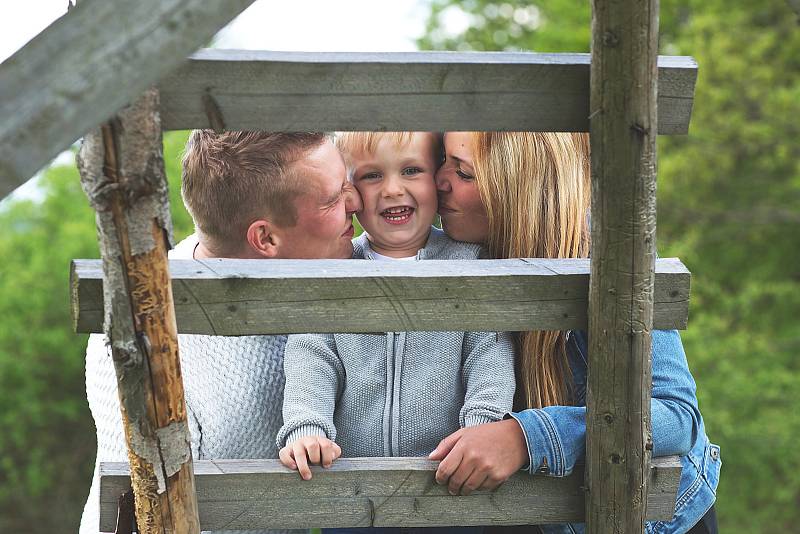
251	195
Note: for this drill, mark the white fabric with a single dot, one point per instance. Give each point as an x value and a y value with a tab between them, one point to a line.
381	257
234	395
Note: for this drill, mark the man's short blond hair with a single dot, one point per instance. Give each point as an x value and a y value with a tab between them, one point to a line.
231	179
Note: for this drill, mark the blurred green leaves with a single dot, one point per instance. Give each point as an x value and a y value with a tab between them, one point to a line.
47	438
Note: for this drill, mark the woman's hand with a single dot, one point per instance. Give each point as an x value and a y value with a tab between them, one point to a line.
317	450
480	457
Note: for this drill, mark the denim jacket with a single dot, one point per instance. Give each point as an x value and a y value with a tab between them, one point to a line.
556	435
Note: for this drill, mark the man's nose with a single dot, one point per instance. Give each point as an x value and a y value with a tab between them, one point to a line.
442	181
352	200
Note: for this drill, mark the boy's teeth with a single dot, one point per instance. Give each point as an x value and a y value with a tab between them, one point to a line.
397	213
396	210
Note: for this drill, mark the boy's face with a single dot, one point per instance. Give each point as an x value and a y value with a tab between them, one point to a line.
398	191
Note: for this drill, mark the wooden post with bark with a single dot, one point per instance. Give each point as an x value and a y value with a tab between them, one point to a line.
623	130
122	173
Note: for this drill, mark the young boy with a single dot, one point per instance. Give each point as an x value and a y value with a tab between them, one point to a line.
394	393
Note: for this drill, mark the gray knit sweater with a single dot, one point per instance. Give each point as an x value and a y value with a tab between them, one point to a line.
233	388
396	393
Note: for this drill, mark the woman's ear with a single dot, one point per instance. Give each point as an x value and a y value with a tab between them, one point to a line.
262	239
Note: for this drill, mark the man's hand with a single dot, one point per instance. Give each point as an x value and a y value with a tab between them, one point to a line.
480	457
316	450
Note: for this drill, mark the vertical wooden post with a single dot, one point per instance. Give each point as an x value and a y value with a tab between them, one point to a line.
122	173
623	138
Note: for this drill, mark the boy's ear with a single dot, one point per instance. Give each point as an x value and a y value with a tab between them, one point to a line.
262	239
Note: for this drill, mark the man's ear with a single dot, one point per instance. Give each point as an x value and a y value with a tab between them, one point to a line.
262	239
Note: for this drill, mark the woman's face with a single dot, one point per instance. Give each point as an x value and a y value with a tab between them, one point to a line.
460	207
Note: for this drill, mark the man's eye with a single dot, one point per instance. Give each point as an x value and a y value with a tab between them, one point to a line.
411	171
464	176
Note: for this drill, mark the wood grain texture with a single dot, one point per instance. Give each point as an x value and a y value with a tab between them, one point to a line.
122	173
250	494
436	91
624	123
87	65
247	297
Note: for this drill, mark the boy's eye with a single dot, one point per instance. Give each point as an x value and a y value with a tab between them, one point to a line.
411	171
464	176
370	176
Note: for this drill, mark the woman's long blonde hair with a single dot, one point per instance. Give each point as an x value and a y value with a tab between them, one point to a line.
536	188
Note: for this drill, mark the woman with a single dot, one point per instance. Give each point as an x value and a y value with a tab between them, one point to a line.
525	194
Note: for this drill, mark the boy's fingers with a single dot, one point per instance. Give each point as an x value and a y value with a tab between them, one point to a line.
285	454
337	450
328	453
313	449
302	460
445	446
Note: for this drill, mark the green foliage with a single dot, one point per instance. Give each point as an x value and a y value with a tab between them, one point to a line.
729	206
47	444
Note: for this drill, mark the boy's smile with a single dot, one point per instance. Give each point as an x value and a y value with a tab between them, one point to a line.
398	215
398	191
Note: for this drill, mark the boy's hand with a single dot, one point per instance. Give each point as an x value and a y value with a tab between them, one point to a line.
316	450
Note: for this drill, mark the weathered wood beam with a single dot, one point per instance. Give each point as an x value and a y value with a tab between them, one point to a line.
623	131
122	173
246	297
360	492
401	91
87	65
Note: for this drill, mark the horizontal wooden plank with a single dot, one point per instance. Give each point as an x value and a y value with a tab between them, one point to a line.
360	492
436	91
248	297
88	64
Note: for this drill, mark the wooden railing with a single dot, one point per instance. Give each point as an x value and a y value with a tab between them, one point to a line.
433	91
248	297
362	492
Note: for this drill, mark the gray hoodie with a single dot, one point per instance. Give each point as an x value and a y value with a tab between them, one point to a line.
396	393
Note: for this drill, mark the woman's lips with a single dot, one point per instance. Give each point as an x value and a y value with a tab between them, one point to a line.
448	209
350	232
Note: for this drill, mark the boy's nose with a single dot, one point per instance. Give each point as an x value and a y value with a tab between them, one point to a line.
392	187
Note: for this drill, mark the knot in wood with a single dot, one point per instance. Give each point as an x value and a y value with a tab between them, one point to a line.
610	39
608	418
615	459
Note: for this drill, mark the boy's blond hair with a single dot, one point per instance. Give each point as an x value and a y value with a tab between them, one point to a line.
350	143
231	179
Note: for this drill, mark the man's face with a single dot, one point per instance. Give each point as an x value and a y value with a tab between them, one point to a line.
324	209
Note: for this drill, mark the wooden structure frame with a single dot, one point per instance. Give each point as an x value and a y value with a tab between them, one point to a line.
627	292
